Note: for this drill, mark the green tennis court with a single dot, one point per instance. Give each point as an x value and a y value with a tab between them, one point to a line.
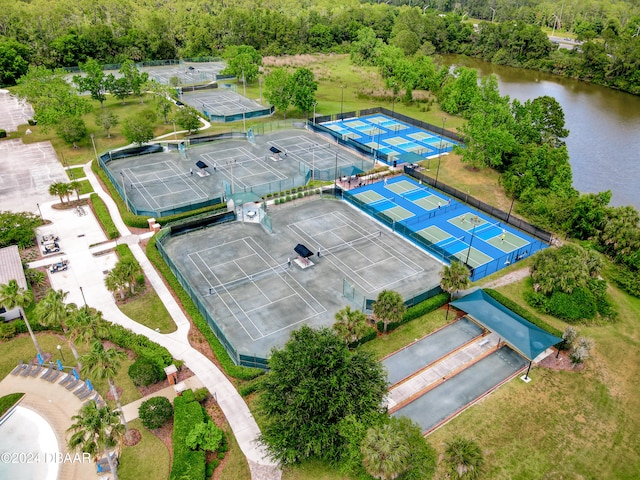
467	221
369	196
510	243
434	234
395	140
420	135
355	123
431	202
400	187
397	213
476	257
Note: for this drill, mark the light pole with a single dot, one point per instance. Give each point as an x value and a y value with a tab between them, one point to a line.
40	212
124	191
341	101
59	347
510	208
94	146
440	152
313	162
260	84
244	84
230	163
476	221
313	120
83	299
335	179
493	15
175	133
244	120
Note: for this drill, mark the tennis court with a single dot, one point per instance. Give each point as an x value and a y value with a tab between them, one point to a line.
223	103
447	228
391	137
186	73
452	396
242	275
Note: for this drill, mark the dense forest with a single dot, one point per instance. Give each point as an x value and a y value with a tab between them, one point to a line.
64	33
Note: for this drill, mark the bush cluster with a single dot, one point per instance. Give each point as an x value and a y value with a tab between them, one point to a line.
233	370
140	345
422	308
187	463
144	372
103	216
155	412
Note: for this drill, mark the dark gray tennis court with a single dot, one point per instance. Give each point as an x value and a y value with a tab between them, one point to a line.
186	73
429	349
450	397
241	273
157	182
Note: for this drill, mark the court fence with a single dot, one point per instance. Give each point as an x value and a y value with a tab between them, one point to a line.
120	186
365	305
404	228
315	124
234	117
504	217
183	227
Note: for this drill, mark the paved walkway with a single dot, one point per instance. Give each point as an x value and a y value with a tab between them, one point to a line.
130	410
84	280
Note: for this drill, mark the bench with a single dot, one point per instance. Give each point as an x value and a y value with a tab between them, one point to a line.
484	342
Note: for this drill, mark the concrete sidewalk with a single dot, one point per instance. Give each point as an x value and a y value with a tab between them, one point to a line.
80	238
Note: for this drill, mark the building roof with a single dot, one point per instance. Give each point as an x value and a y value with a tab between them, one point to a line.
525	337
11	266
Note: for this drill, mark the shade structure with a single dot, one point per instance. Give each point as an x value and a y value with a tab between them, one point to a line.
201	164
523	336
303	251
275	150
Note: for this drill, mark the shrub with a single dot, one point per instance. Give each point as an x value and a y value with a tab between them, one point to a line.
139	344
187	463
155	412
572	307
300	195
103	216
287	198
201	394
205	436
3	133
7	330
144	372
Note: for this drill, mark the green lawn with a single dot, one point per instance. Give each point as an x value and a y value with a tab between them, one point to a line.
148	310
85	187
9	401
22	348
236	466
149	459
76	172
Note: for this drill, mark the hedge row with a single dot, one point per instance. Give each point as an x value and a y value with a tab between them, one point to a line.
140	345
233	370
514	307
422	308
140	221
187	463
103	216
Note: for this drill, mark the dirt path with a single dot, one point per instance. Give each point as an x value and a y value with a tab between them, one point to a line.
512	277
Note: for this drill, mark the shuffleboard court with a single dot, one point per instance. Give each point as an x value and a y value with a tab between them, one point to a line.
444	401
429	349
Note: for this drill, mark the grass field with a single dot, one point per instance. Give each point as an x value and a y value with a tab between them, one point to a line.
149	459
148	310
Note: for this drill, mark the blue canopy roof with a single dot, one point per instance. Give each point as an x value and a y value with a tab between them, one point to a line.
525	337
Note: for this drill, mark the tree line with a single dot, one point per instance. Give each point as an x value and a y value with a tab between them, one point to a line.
112	32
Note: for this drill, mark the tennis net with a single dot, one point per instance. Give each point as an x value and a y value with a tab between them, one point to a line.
352	243
224	287
488	228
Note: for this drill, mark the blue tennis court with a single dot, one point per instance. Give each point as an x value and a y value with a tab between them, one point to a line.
391	137
448	229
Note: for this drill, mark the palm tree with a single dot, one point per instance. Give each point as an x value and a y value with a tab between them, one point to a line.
87	325
385	451
463	459
351	325
96	430
75	186
389	307
103	363
56	189
12	296
52	312
115	282
455	277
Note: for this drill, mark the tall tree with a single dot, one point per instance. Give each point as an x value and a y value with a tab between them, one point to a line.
104	363
188	118
385	451
52	311
243	61
137	129
277	89
455	277
351	325
134	78
18	228
13	295
303	87
97	430
94	80
464	459
389	308
106	119
72	130
87	325
314	382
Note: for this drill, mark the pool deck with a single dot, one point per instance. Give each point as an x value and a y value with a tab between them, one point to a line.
56	405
